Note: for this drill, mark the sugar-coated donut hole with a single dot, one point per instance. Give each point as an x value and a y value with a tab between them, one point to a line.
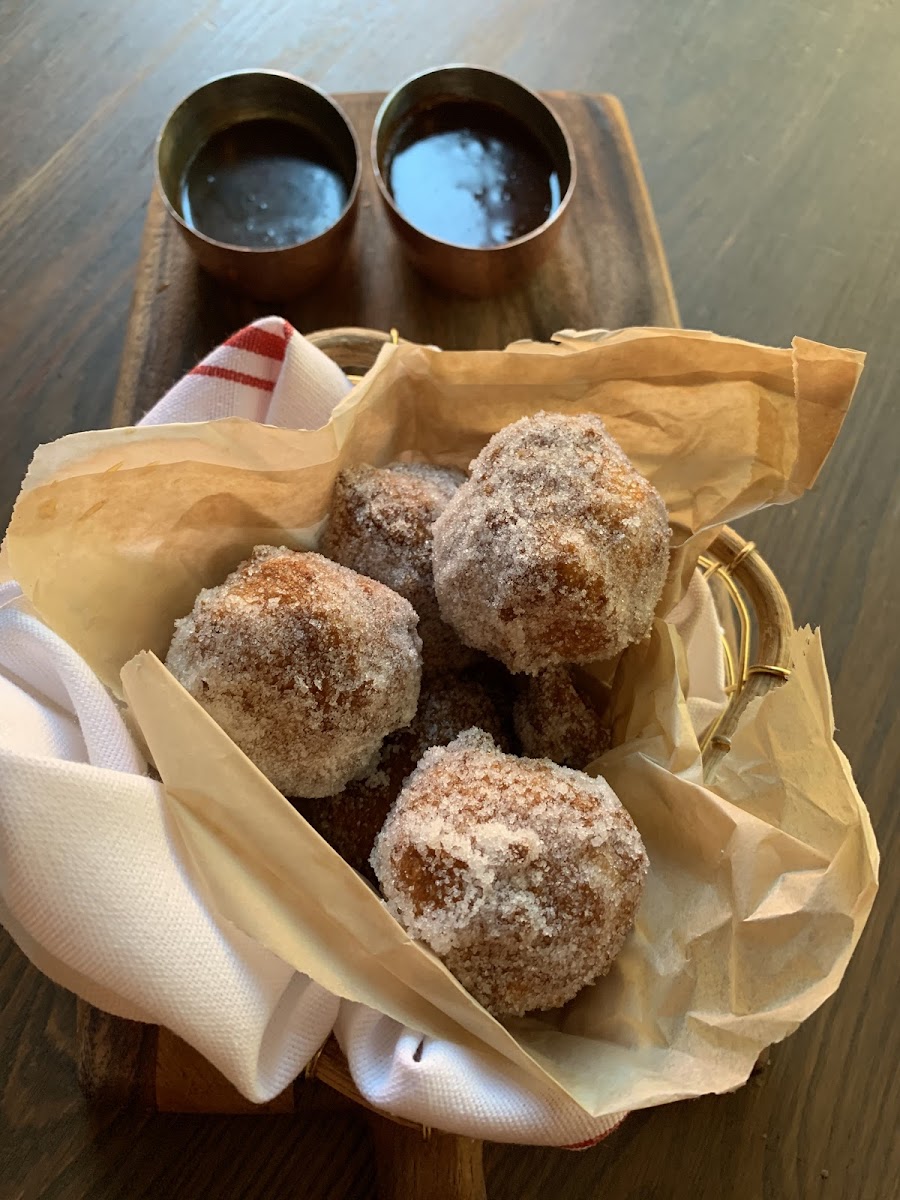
380	524
522	876
305	664
351	820
555	550
554	720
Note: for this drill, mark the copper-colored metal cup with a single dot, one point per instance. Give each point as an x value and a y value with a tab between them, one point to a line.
264	272
473	270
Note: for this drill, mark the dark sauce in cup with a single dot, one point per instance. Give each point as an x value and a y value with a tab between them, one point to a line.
471	174
263	183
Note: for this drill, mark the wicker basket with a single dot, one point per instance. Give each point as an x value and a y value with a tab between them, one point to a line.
757	659
415	1163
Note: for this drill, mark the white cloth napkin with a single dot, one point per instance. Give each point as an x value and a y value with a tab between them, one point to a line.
96	890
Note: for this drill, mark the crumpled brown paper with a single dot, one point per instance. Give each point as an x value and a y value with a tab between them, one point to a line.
116	531
759	885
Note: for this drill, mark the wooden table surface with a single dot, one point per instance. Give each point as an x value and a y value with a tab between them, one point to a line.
767	133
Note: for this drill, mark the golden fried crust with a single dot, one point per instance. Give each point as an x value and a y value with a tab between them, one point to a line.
305	664
555	550
380	525
522	876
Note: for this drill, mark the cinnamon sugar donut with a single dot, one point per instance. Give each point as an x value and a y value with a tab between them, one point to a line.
351	820
522	876
380	525
448	704
555	549
305	664
554	720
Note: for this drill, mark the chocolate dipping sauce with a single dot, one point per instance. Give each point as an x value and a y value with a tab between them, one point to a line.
470	174
263	183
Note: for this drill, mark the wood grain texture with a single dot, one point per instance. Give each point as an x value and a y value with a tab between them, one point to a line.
415	1163
766	132
117	1059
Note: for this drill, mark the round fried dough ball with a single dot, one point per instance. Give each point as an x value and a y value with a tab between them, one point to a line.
553	720
305	665
522	876
380	525
555	550
448	704
502	687
351	820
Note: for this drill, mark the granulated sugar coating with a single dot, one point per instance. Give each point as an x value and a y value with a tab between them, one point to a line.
555	550
380	525
522	876
305	665
553	720
351	820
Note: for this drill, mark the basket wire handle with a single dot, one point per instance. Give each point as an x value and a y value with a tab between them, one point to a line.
750	585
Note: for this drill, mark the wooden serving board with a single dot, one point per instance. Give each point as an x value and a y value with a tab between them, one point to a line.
608	271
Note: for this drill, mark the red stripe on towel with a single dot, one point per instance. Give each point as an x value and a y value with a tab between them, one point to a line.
264	385
259	341
594	1141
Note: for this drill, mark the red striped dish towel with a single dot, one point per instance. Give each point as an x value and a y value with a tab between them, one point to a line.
266	372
